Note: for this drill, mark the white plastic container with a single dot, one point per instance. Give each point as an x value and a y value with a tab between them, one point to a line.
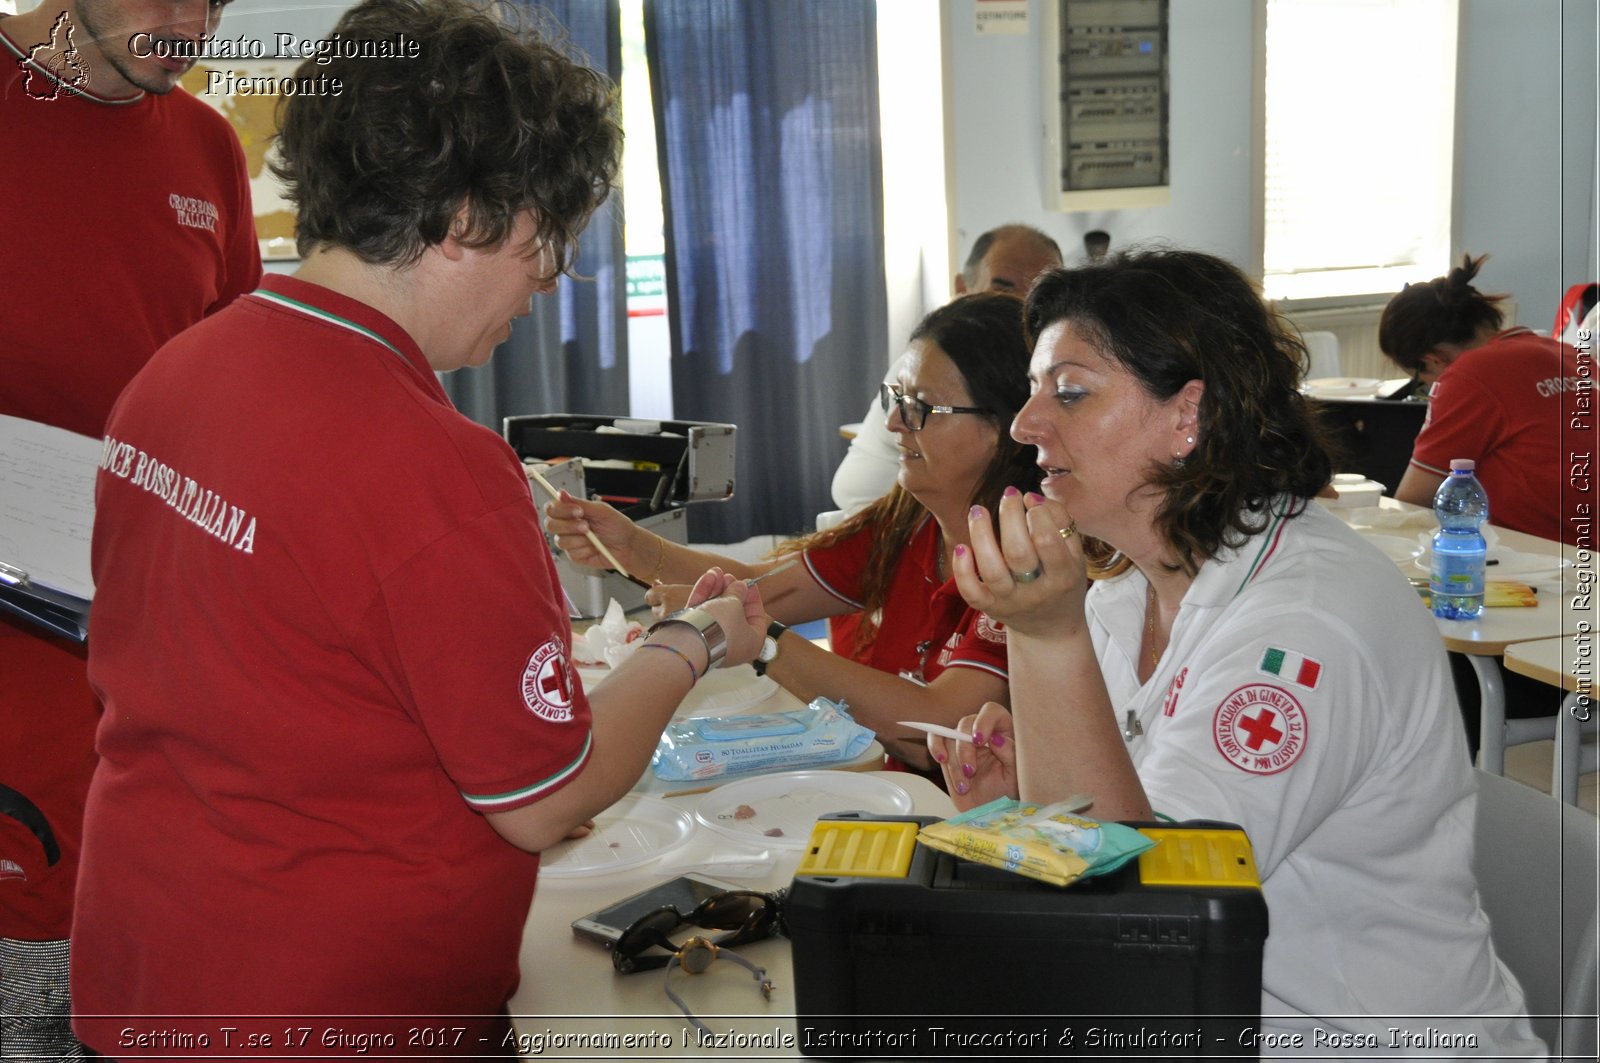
1351	489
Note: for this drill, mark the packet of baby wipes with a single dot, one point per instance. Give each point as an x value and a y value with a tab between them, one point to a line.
821	733
1046	842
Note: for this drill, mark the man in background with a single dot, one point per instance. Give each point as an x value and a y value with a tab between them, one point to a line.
127	215
1004	259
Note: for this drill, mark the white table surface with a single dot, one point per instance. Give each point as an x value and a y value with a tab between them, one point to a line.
1557	661
1362	394
569	988
1564	610
1496	628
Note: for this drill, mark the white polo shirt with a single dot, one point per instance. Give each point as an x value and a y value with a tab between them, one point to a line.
1305	696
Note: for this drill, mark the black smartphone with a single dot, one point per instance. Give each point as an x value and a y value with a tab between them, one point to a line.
682	893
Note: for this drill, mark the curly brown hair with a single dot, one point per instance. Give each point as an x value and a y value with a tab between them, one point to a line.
1169	317
982	336
489	118
1446	309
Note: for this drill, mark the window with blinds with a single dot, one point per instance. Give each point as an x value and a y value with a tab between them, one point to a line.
1360	121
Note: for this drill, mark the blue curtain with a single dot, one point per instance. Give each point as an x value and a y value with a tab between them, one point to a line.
571	354
767	119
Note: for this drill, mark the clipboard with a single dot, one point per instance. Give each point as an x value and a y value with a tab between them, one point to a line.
47	479
62	613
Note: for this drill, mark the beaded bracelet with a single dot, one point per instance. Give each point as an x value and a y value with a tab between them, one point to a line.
694	675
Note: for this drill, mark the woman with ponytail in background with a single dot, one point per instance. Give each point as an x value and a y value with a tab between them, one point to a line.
1500	397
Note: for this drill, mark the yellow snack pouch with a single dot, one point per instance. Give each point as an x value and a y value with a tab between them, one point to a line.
1044	842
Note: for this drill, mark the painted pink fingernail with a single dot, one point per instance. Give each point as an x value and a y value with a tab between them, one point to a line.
1034	498
975	512
997	740
940	757
1012	492
968	770
962	787
961	550
977	738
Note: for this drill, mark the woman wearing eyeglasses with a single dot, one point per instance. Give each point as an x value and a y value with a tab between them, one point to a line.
1257	664
920	652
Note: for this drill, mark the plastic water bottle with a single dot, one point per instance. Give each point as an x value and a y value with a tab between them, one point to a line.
1456	580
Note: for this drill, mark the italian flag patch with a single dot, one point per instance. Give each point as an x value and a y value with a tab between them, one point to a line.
1294	667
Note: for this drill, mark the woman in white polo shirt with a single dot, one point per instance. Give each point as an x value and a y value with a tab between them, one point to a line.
1256	663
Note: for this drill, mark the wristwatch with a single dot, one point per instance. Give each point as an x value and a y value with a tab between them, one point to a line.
769	648
705	625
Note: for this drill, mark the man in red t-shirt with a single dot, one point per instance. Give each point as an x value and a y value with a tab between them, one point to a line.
341	718
127	214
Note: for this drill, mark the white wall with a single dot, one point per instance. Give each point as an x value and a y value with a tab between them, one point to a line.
263	19
1525	156
1525	186
996	134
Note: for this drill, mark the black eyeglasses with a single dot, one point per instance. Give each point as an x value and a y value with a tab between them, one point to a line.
748	914
913	411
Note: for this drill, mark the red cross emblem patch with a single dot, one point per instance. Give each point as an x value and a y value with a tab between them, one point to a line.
990	630
547	684
1260	728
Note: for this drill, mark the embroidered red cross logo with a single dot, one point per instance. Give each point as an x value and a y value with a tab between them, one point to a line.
1260	729
554	682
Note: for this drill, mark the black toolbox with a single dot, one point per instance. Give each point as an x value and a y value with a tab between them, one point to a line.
1161	959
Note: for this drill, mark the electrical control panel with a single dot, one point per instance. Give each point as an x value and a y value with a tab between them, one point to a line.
1106	104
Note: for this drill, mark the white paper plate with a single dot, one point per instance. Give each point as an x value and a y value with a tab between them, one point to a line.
1504	564
790	802
1344	385
634	831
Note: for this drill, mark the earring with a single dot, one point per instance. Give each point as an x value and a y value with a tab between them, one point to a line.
1189	440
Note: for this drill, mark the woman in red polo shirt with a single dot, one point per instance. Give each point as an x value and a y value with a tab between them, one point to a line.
920	652
1504	397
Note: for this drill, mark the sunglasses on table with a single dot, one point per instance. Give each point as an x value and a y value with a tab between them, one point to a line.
748	915
913	411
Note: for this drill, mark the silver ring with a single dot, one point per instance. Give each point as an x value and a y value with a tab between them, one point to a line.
1028	577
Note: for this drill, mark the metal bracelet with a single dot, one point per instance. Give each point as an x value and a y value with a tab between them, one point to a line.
712	637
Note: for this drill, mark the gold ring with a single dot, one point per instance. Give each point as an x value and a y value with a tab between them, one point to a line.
1070	530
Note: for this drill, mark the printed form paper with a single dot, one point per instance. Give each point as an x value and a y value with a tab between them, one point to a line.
47	504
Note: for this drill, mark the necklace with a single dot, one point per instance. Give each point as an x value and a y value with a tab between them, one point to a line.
1150	625
1131	728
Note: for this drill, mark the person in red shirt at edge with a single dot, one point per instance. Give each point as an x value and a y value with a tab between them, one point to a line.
1499	396
921	653
341	720
127	213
